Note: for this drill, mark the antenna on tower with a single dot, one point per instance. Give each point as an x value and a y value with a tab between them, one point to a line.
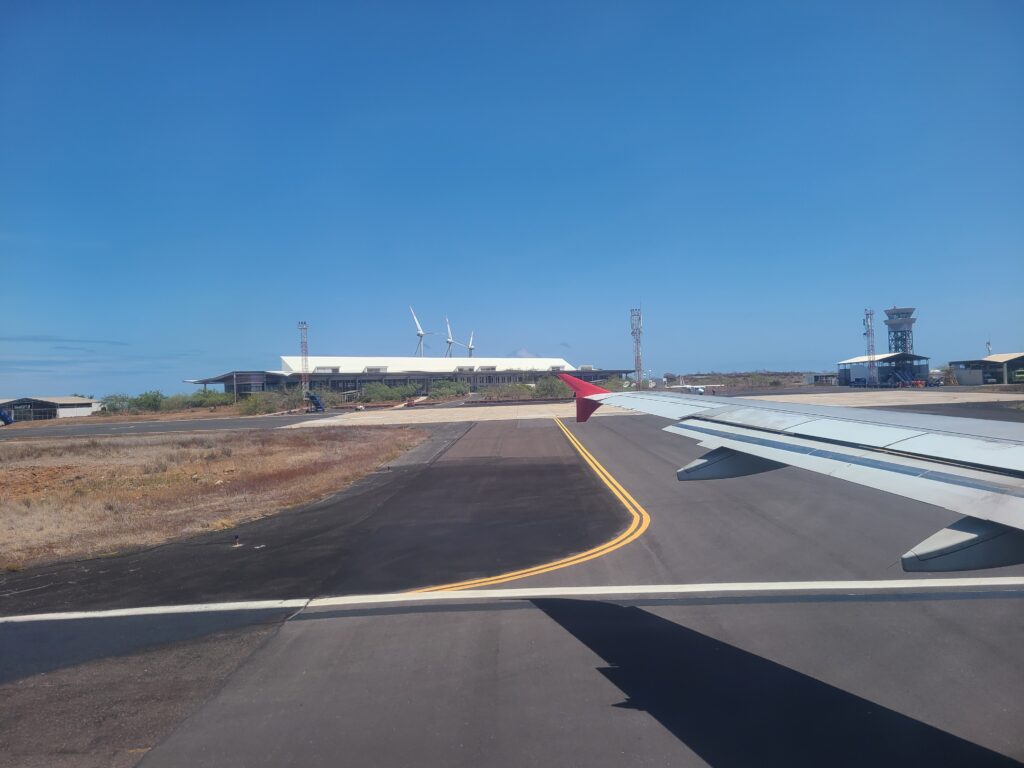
636	324
304	352
420	333
869	334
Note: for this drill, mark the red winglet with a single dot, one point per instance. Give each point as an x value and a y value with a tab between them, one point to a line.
582	389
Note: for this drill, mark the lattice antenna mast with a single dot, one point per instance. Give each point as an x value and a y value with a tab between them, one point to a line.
636	324
304	352
869	334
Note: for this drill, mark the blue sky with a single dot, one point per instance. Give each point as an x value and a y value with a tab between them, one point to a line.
180	183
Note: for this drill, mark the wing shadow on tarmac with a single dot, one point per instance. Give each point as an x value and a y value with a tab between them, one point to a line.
736	709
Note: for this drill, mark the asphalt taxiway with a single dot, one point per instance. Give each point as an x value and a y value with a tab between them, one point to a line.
756	673
471	501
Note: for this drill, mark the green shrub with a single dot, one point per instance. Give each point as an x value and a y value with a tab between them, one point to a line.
289	399
119	403
210	399
614	384
333	399
449	389
148	401
260	402
376	392
549	388
175	403
508	392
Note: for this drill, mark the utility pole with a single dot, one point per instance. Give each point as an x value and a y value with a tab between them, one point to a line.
869	334
304	352
636	324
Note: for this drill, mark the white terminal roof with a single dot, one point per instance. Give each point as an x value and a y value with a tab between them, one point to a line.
293	364
877	358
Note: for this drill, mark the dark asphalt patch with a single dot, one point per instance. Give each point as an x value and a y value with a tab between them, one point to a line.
502	498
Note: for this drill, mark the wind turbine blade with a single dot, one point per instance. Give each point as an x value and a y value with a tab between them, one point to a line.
419	328
470	339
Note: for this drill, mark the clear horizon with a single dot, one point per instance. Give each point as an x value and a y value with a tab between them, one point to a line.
181	183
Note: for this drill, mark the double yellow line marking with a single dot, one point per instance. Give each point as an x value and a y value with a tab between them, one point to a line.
639	521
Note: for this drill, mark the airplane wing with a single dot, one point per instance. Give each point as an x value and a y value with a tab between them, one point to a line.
971	466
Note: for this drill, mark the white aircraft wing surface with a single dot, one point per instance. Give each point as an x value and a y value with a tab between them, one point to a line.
971	466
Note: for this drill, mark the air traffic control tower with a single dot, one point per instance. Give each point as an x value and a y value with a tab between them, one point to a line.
900	321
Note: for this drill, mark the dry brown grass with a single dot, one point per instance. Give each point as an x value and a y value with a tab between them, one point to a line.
77	497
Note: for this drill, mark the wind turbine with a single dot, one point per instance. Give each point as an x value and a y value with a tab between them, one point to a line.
420	333
449	340
469	347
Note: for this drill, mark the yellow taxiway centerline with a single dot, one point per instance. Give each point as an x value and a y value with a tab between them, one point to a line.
639	522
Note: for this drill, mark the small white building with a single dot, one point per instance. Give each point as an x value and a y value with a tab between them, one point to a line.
36	408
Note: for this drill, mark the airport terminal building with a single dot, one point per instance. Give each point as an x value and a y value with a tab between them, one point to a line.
351	374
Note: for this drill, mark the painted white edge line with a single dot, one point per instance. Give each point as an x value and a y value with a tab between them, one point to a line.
638	590
641	590
160	610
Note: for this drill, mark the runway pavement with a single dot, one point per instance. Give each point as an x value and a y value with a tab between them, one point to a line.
758	675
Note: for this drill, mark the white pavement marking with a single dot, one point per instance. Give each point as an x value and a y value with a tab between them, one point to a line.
642	590
160	610
638	590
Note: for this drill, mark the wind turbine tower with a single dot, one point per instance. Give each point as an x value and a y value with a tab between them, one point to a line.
636	324
450	341
420	333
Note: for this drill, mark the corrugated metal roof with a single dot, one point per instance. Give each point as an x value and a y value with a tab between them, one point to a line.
292	364
878	358
1003	357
